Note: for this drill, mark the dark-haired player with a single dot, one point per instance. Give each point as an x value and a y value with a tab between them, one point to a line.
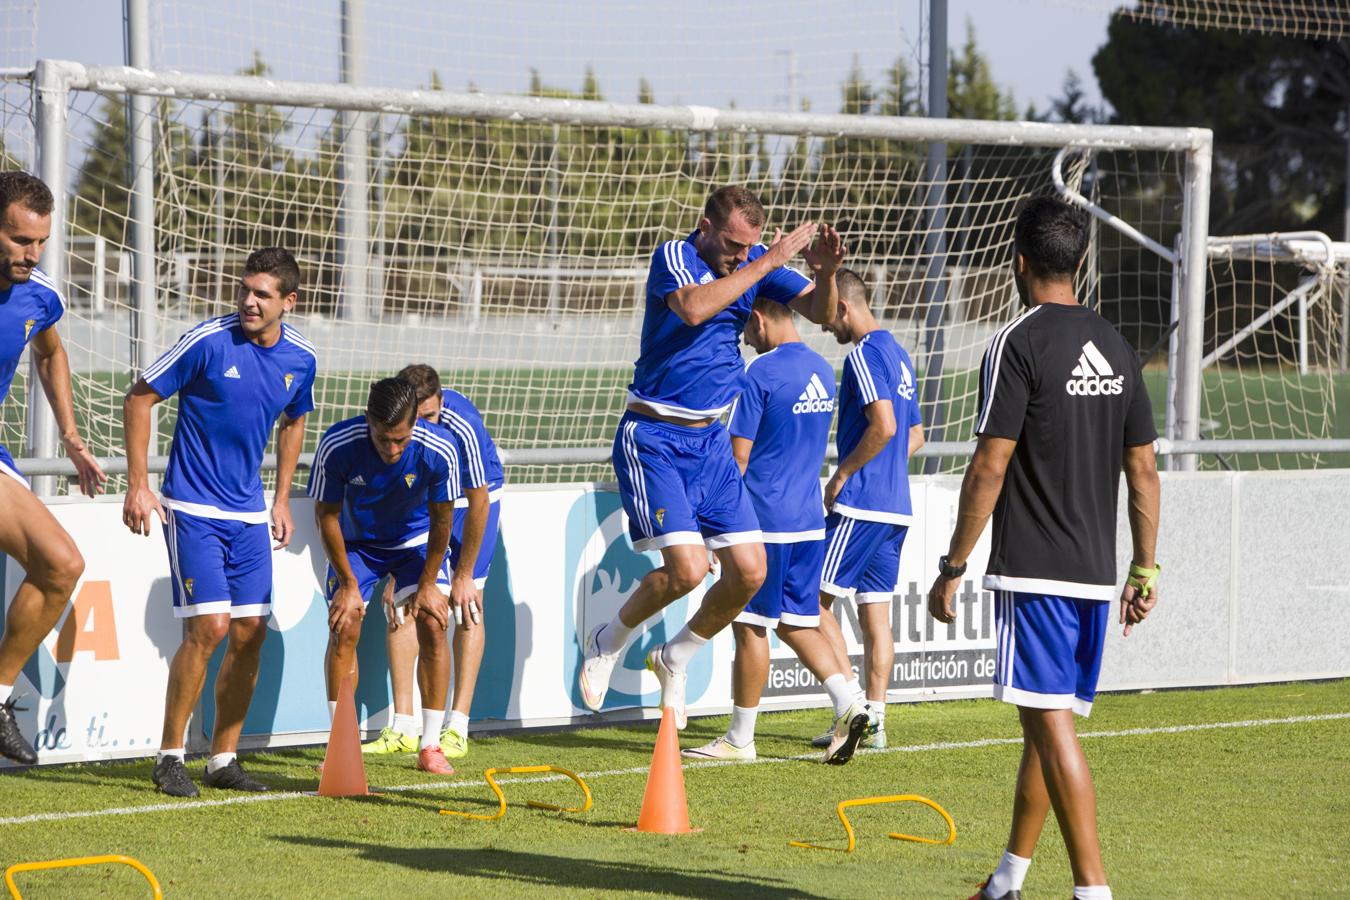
234	376
1062	409
384	485
30	306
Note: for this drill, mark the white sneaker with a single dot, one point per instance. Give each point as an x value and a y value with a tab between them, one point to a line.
596	668
848	730
721	748
672	685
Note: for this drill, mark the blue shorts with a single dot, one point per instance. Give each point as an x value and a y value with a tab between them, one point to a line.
483	564
1049	650
403	564
681	485
7	467
791	590
862	558
219	566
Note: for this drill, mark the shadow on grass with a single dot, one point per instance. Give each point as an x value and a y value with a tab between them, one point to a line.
542	870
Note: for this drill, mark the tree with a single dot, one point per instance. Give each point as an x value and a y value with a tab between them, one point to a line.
1071	105
1276	105
972	92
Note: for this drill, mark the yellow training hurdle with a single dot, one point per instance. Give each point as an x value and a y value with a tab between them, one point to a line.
533	804
872	801
79	861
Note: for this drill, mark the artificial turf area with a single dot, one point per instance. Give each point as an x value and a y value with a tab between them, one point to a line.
1234	792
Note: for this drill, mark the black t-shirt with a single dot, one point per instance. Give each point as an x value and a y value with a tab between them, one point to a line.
1062	382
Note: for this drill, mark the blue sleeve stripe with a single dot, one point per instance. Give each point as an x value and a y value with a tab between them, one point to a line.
189	338
45	280
445	449
331	440
674	251
461	427
993	359
867	388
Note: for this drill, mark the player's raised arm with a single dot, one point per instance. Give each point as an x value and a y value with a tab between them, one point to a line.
140	501
53	368
819	302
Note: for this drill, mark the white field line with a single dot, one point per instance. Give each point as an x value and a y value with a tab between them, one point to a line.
640	770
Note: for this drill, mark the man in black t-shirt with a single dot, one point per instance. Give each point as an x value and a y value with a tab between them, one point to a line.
1062	410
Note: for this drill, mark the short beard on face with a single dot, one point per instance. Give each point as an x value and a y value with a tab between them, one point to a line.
15	273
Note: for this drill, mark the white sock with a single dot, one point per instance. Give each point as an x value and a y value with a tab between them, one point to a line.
405	725
742	730
220	761
179	753
613	636
855	689
840	695
432	720
332	711
878	708
6	691
459	722
1091	892
1011	872
681	649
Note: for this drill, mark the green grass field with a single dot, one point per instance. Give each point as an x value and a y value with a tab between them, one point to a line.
1198	797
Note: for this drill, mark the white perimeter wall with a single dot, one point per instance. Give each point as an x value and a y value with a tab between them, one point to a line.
1255	587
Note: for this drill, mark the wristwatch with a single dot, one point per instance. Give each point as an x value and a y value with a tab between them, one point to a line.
950	571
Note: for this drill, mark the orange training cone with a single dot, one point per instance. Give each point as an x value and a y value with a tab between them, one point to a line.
344	772
665	809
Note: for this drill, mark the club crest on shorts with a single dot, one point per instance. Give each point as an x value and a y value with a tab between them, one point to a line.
332	583
289	379
409	479
661	517
187	586
28	328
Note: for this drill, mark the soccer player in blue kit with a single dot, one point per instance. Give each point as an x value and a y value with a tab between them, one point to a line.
678	480
30	306
384	485
867	497
780	425
234	375
473	541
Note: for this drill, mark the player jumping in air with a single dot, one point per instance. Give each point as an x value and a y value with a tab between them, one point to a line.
30	306
678	480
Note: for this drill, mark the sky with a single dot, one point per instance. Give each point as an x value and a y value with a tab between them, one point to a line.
702	54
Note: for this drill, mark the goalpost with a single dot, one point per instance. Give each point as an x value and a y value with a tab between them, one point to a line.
509	238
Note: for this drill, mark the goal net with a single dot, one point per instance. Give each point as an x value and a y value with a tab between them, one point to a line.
512	254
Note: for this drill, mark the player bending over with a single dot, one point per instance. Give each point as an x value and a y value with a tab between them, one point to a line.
678	480
30	306
473	541
1062	409
867	497
384	484
779	427
234	376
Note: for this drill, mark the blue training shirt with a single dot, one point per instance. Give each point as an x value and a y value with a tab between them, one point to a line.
478	454
385	505
785	407
878	368
25	309
230	393
693	371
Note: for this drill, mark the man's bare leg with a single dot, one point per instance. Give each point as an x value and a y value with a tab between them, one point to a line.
468	641
187	674
235	681
878	650
1069	784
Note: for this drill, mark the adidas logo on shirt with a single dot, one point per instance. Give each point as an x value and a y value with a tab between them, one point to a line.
1093	376
906	388
814	399
231	372
359	480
